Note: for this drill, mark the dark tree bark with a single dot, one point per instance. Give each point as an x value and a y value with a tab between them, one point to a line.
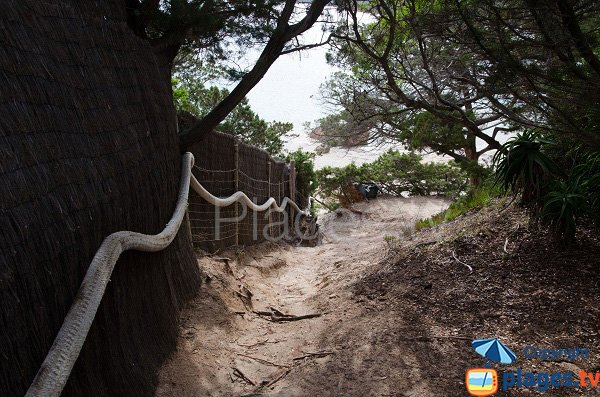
88	147
570	21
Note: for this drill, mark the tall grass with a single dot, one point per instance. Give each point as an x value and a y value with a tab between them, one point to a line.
478	197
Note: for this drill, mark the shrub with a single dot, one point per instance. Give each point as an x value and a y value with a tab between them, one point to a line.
521	166
563	206
306	177
395	173
559	196
476	197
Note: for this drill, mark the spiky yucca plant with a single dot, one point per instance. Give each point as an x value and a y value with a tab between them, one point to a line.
563	206
522	167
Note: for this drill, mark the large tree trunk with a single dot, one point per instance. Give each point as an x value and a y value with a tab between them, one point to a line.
471	146
88	147
471	154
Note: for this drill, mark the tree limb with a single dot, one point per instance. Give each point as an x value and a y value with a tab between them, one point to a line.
283	33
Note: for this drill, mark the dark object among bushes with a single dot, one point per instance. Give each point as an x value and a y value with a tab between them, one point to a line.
393	173
367	190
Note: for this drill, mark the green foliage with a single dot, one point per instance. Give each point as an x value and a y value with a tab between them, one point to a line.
331	182
401	80
340	129
474	169
212	30
192	96
559	199
587	173
395	173
424	130
306	176
574	198
563	206
366	117
522	167
476	197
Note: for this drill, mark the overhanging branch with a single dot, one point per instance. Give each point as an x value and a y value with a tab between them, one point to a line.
275	46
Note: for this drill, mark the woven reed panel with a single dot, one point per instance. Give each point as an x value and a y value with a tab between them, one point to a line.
87	147
216	170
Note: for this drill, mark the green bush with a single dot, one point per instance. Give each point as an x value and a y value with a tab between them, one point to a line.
521	166
395	173
559	184
476	197
306	176
575	197
587	173
563	207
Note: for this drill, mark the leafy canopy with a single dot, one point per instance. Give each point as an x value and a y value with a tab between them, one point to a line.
395	173
193	97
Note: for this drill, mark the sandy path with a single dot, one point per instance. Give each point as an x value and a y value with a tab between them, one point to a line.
226	349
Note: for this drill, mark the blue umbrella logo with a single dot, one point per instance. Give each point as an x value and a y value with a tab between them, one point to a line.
494	350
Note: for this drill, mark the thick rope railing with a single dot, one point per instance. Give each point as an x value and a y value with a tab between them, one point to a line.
56	368
242	198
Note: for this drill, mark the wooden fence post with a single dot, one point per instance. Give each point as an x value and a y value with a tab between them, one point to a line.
269	195
236	160
281	192
292	191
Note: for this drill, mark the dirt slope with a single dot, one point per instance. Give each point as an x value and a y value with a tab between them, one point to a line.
393	321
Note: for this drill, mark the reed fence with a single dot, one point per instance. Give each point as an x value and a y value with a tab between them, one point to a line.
225	166
58	364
